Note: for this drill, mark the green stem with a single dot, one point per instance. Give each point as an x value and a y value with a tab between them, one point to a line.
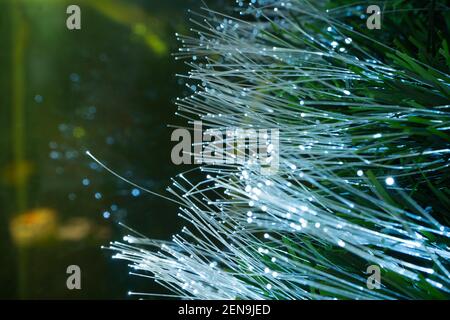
19	42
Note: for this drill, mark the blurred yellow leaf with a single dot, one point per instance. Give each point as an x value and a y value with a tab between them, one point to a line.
34	226
135	18
76	229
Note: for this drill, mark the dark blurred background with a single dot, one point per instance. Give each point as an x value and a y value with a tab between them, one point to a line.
108	88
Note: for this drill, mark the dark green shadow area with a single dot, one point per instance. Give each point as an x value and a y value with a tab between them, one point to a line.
108	88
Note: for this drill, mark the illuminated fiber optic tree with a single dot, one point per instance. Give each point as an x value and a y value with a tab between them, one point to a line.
364	121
